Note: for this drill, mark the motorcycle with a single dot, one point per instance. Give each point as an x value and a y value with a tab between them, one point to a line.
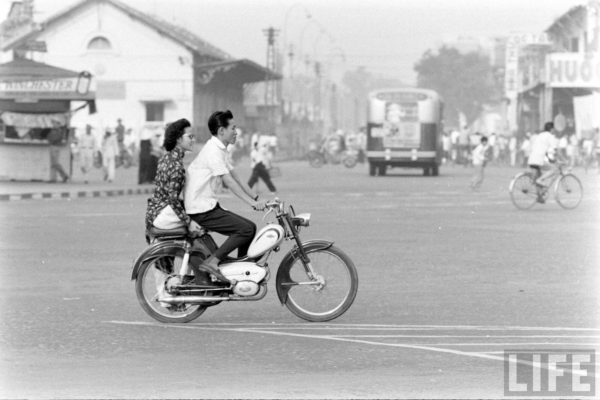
317	158
315	280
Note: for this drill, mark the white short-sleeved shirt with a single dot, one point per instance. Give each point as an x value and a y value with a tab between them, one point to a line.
479	154
541	144
204	177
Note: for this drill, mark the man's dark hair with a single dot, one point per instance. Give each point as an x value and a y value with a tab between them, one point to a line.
548	126
173	132
484	139
219	119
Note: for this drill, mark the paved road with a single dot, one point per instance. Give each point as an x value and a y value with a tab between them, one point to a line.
448	280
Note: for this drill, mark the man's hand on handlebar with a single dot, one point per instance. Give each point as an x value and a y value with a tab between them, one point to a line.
259	205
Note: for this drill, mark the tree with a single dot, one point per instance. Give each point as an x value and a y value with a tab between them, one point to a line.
465	81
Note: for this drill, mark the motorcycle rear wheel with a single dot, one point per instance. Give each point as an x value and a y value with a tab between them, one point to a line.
151	282
318	303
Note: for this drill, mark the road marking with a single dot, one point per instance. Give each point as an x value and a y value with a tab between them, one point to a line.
472	336
427	347
513	344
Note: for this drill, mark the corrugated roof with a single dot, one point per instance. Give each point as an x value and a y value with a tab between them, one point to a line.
180	35
559	22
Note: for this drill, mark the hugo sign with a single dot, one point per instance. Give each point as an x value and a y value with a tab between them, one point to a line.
572	70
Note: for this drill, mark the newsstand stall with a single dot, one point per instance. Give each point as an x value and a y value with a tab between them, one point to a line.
35	114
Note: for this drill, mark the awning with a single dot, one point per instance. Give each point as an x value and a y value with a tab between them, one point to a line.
247	71
28	81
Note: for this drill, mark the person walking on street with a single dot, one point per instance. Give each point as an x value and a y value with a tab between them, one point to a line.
87	147
480	158
260	163
55	138
110	150
205	176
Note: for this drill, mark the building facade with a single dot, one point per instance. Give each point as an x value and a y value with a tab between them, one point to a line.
146	71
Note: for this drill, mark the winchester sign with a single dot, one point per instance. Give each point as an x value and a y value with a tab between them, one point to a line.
572	70
63	85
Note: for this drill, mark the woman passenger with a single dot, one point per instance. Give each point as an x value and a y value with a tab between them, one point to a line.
165	208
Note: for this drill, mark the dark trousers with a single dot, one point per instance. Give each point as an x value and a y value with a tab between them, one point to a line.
144	165
239	229
259	171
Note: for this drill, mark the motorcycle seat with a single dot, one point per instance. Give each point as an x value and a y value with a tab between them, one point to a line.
175	233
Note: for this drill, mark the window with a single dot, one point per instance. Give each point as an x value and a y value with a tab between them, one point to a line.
99	43
574	45
155	111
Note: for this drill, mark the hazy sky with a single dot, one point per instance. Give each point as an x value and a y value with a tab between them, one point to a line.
386	36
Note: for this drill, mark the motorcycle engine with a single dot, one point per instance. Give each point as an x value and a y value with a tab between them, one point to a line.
246	288
247	274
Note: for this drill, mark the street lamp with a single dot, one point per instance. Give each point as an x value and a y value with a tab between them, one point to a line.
83	82
285	27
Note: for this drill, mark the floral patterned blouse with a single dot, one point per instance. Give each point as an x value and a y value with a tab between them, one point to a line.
170	179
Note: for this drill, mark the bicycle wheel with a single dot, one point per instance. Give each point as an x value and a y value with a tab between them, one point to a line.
523	192
330	294
568	191
152	281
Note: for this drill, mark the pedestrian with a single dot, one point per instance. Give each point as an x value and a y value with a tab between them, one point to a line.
480	157
512	148
87	147
156	153
165	208
145	160
120	134
55	139
205	176
261	163
110	150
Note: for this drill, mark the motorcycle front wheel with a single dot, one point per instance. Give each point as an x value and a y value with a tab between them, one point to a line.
152	280
330	293
350	161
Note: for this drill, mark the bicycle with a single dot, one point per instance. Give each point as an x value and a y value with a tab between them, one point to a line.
566	187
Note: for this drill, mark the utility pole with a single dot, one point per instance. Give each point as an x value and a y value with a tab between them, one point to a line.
270	87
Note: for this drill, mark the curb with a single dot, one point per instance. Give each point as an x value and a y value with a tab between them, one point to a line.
76	194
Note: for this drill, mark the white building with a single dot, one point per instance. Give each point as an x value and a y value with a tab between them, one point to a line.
146	70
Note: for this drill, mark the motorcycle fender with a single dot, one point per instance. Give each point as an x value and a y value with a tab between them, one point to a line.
283	273
199	252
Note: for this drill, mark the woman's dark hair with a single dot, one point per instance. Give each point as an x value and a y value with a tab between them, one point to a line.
173	132
548	126
219	119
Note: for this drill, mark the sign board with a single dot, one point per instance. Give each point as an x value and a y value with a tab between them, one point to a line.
34	45
572	70
62	85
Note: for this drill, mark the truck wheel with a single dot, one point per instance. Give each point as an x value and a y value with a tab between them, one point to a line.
372	169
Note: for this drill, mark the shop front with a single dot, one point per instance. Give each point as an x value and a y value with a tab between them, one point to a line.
37	102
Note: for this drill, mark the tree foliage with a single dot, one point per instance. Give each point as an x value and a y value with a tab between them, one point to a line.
465	81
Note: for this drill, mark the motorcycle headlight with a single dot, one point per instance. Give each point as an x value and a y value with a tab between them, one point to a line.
301	219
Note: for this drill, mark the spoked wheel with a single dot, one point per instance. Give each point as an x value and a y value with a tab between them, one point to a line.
153	281
523	192
568	191
350	161
330	293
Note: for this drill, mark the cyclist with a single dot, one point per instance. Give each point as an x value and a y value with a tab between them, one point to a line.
543	156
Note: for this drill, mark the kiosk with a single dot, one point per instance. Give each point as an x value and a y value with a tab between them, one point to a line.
35	106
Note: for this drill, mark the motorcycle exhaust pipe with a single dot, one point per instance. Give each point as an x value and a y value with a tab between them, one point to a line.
191	299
